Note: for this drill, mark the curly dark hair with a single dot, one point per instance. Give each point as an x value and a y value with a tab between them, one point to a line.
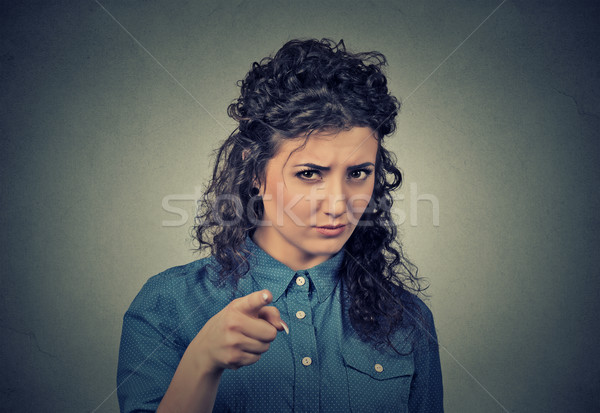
310	86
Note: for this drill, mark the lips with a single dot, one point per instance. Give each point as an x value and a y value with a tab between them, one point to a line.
331	231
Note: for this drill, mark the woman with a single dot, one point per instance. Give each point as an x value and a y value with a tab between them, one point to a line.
297	219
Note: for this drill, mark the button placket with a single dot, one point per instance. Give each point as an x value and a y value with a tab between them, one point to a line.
304	345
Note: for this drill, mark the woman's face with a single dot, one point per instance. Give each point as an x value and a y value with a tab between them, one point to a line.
328	182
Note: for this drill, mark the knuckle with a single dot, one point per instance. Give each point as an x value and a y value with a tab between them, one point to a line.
234	358
228	327
231	323
272	333
233	305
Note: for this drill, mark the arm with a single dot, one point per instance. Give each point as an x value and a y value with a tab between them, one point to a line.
426	393
193	388
149	352
151	365
235	337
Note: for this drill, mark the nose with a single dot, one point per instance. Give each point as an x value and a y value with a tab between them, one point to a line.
335	202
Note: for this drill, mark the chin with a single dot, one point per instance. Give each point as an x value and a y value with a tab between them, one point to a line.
330	247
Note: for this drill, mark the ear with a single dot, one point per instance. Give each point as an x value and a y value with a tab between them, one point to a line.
245	154
255	184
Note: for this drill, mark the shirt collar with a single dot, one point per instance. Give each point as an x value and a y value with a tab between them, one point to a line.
275	276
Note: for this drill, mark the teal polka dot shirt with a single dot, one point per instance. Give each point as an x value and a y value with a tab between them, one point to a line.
321	366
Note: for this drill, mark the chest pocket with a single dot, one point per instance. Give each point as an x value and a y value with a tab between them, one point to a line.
377	382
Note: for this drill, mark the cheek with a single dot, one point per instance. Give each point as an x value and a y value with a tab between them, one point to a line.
290	202
358	202
300	204
356	209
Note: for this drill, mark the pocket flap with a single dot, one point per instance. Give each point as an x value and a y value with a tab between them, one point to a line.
378	365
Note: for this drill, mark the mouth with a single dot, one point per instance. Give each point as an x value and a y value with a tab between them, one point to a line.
332	226
330	231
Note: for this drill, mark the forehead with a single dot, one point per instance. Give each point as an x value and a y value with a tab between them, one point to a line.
325	148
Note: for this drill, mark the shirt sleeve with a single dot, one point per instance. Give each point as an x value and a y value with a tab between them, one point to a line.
148	352
426	394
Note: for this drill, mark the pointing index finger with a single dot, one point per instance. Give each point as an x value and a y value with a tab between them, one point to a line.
252	303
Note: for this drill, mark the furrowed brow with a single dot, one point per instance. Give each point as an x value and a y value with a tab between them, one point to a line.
361	166
327	168
314	166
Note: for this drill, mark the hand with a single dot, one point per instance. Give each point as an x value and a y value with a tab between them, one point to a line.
238	334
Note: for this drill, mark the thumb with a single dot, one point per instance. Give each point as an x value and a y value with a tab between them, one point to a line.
252	303
271	315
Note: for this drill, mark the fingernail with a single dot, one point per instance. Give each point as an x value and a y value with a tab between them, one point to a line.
265	296
285	328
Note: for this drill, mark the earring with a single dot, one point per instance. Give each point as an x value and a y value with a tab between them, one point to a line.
254	191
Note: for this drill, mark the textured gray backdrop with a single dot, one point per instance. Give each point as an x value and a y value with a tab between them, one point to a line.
110	111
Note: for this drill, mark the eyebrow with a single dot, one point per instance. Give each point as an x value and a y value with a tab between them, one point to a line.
327	168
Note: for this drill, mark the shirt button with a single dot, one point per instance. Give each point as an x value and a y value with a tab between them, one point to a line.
378	368
300	314
307	361
300	280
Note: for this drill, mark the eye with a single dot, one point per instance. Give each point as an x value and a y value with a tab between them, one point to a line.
360	174
307	174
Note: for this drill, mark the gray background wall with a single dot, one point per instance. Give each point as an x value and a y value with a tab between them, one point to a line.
98	128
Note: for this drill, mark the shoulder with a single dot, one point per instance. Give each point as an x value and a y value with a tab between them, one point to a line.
417	319
175	280
180	298
412	301
181	288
